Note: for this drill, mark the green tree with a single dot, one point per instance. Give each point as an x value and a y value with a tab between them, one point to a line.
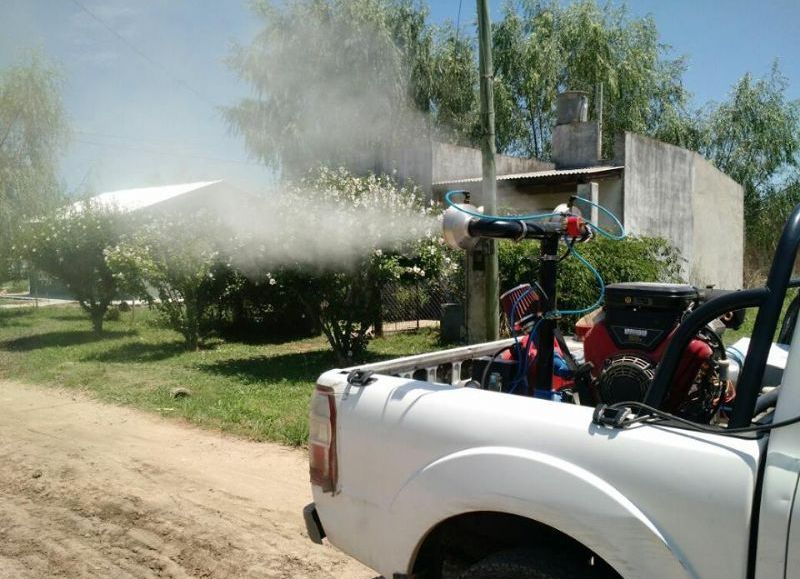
338	81
754	137
774	205
175	258
329	82
69	245
543	48
453	98
33	133
632	259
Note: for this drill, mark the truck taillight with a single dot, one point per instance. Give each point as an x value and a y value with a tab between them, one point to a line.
322	439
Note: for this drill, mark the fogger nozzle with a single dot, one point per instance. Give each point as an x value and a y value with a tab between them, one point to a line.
461	230
455	226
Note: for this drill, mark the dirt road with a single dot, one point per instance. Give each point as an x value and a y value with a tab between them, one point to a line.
91	490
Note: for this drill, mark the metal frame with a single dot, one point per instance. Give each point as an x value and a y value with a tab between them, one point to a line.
430	362
769	300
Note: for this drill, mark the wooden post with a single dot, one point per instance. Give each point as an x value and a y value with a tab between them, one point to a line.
488	198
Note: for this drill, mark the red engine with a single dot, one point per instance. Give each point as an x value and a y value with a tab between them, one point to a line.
624	345
629	338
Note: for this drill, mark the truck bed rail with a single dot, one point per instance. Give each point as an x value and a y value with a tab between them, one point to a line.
407	366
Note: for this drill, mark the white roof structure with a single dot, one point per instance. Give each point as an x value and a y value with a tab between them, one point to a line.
129	200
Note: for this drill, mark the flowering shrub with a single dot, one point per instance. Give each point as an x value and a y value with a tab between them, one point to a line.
257	307
69	246
367	231
175	258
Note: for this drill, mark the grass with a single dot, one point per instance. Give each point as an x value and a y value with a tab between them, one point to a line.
260	391
746	330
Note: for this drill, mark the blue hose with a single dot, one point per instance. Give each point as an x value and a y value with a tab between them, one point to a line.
533	216
448	198
616	237
600	282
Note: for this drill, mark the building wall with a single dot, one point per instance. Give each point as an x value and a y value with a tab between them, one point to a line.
523	200
676	194
718	233
219	199
576	145
453	162
611	197
407	162
658	193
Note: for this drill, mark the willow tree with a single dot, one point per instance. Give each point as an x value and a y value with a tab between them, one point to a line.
334	81
543	48
754	137
33	133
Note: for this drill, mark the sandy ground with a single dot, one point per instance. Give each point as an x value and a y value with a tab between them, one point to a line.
92	490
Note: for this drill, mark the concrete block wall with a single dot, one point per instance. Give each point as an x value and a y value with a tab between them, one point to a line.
576	145
453	162
718	230
676	194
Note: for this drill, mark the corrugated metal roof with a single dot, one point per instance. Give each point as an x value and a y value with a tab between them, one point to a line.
127	200
541	174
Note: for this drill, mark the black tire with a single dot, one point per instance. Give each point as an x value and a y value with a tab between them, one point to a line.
523	564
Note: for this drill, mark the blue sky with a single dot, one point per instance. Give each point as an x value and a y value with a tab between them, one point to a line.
136	123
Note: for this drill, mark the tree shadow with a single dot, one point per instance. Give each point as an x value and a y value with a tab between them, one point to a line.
300	366
305	366
257	335
12	320
60	339
77	316
139	353
13	313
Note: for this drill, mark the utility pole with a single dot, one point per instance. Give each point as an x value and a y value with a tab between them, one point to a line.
483	315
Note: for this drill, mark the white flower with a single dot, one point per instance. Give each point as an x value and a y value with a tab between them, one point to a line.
272	281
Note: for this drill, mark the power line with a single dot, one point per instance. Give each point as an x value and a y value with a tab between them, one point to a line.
166	71
179	142
154	151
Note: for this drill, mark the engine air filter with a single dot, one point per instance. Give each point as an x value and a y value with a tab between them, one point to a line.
524	301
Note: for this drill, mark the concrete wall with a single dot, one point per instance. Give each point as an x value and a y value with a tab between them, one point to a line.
674	193
576	145
658	193
409	162
453	162
522	201
526	198
718	205
425	162
612	198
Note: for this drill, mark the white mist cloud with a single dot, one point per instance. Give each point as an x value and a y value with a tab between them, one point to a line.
322	227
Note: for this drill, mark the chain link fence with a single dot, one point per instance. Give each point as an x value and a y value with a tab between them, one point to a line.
411	306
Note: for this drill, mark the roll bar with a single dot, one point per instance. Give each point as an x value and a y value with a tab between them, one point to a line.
769	300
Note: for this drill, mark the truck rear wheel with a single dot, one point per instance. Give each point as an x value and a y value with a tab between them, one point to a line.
522	564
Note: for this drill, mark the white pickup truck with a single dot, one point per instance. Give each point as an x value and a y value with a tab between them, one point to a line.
425	478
